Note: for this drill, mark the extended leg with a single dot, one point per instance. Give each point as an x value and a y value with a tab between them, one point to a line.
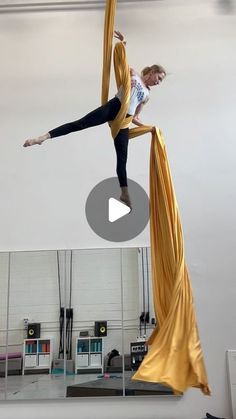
98	116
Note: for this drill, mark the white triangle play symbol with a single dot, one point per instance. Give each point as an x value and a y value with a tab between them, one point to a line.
116	210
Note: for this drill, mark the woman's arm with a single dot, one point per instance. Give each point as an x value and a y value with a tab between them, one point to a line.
139	108
136	120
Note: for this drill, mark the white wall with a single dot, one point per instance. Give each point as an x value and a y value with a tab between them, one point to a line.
42	198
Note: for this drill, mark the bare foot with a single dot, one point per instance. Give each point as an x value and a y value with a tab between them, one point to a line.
126	199
38	140
28	143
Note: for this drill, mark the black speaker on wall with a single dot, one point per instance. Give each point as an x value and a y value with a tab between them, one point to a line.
33	331
100	328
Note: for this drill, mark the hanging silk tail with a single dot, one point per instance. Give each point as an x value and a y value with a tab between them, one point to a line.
175	356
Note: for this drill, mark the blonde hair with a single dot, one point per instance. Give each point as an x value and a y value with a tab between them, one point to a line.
155	67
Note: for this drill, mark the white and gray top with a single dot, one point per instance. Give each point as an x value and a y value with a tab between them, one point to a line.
138	94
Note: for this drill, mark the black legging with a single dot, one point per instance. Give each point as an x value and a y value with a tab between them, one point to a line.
99	116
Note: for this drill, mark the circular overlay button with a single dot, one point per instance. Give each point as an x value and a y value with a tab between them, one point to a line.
110	218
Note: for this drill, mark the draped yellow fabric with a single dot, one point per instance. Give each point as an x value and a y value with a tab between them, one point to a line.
175	356
122	71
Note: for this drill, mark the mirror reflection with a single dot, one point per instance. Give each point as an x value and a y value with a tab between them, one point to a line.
95	294
37	289
2	362
3	322
78	323
139	319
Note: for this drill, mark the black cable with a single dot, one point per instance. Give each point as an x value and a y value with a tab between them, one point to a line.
148	290
69	317
143	282
70	278
143	310
145	327
59	279
71	309
71	330
61	344
67	324
67	331
61	316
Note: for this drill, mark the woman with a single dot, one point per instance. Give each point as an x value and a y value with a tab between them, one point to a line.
139	95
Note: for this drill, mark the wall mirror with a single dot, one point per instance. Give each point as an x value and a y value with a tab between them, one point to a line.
75	323
3	319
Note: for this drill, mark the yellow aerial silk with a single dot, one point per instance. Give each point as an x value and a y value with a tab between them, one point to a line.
175	356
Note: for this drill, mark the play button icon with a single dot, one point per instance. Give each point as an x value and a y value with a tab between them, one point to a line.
117	210
110	218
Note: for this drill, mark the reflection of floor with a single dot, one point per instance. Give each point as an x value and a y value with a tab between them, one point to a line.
113	386
42	386
50	386
2	389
